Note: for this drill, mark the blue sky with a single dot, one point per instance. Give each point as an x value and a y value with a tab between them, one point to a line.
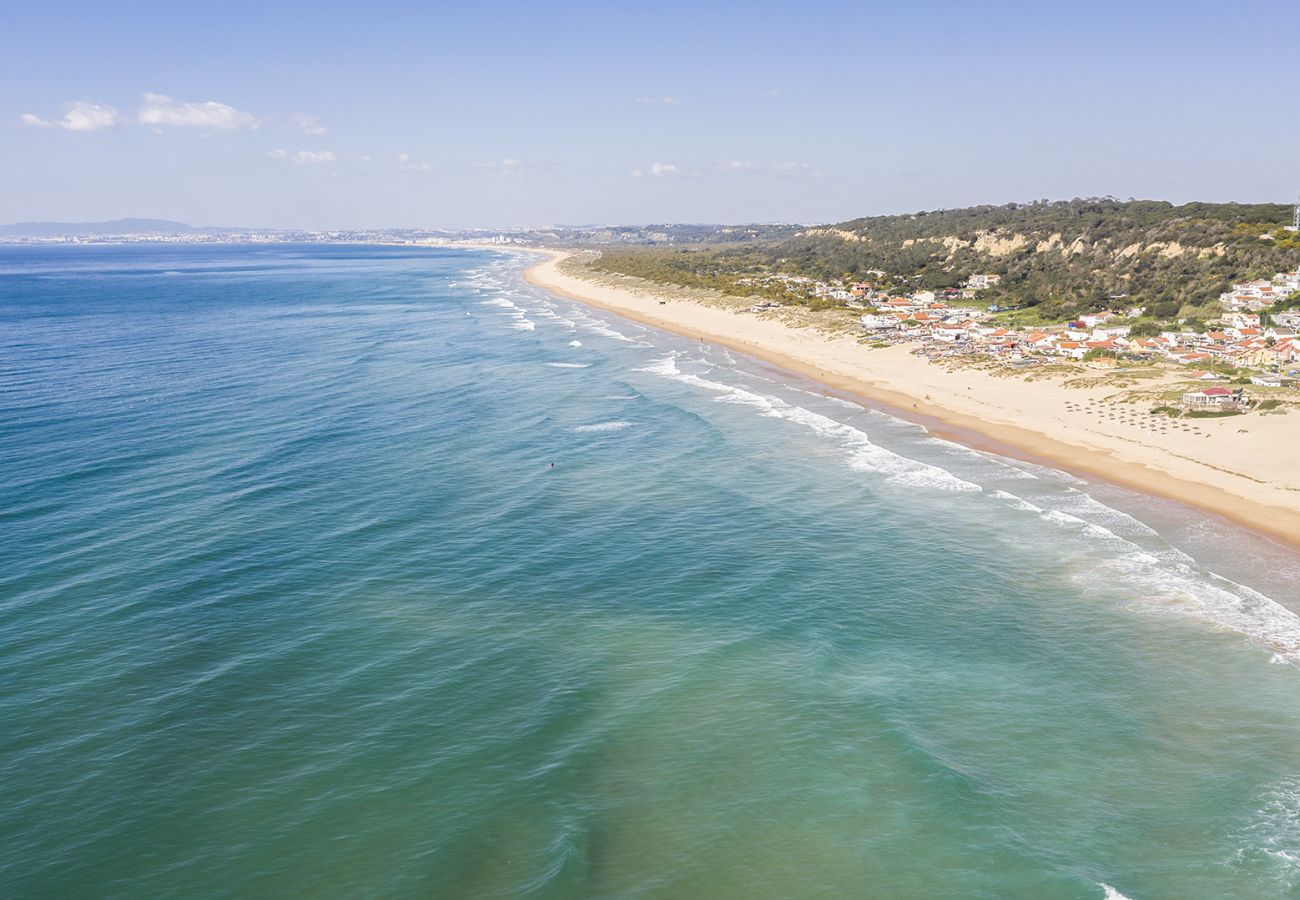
493	114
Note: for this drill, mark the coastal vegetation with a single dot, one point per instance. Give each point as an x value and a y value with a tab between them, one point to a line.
1054	260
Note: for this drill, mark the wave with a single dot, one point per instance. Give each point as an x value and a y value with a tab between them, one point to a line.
1273	834
602	328
863	454
1169	579
604	426
560	365
1110	893
1017	502
575	343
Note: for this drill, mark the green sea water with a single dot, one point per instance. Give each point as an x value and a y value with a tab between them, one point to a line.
373	572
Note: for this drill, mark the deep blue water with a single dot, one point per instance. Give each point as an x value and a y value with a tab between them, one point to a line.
294	603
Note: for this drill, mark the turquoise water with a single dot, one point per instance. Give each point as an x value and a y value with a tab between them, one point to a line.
293	604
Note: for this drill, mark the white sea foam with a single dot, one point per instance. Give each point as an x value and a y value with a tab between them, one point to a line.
1170	580
600	327
863	454
1110	893
521	321
1017	502
575	343
560	365
604	426
1273	834
609	332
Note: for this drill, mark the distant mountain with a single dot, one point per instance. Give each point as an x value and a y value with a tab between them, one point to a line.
100	229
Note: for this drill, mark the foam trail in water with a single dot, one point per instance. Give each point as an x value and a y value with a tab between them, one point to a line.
1167	575
1168	578
604	426
863	454
1274	834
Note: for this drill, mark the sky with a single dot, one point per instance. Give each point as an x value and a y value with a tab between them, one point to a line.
495	114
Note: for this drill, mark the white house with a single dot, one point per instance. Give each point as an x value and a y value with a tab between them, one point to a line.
874	322
1241	320
982	281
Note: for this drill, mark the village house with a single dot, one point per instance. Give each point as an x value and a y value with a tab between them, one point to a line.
1241	320
877	322
1092	320
1215	399
982	281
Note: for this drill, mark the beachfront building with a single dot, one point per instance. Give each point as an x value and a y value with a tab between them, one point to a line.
878	322
1214	399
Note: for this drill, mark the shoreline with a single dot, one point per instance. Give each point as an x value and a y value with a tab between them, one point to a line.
796	351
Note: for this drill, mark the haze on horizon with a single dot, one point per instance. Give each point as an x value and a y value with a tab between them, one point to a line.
525	114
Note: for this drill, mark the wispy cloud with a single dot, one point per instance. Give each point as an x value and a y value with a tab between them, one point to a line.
304	157
778	168
657	170
505	168
663	101
727	167
159	109
78	116
309	125
406	164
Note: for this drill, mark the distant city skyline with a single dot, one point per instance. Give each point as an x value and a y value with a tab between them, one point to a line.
517	114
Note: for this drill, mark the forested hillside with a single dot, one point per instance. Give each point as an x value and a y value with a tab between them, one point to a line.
1063	257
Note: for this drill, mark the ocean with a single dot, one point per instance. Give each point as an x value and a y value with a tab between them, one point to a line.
362	571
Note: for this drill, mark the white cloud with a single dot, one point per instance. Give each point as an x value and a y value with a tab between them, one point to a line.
304	157
309	124
780	168
505	168
405	163
726	167
78	116
159	109
665	101
657	170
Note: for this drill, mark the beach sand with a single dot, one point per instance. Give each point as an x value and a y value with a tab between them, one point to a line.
1243	468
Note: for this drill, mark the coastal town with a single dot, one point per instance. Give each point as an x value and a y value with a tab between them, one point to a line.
1255	341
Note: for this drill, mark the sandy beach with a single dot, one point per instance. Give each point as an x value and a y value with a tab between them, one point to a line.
1242	468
